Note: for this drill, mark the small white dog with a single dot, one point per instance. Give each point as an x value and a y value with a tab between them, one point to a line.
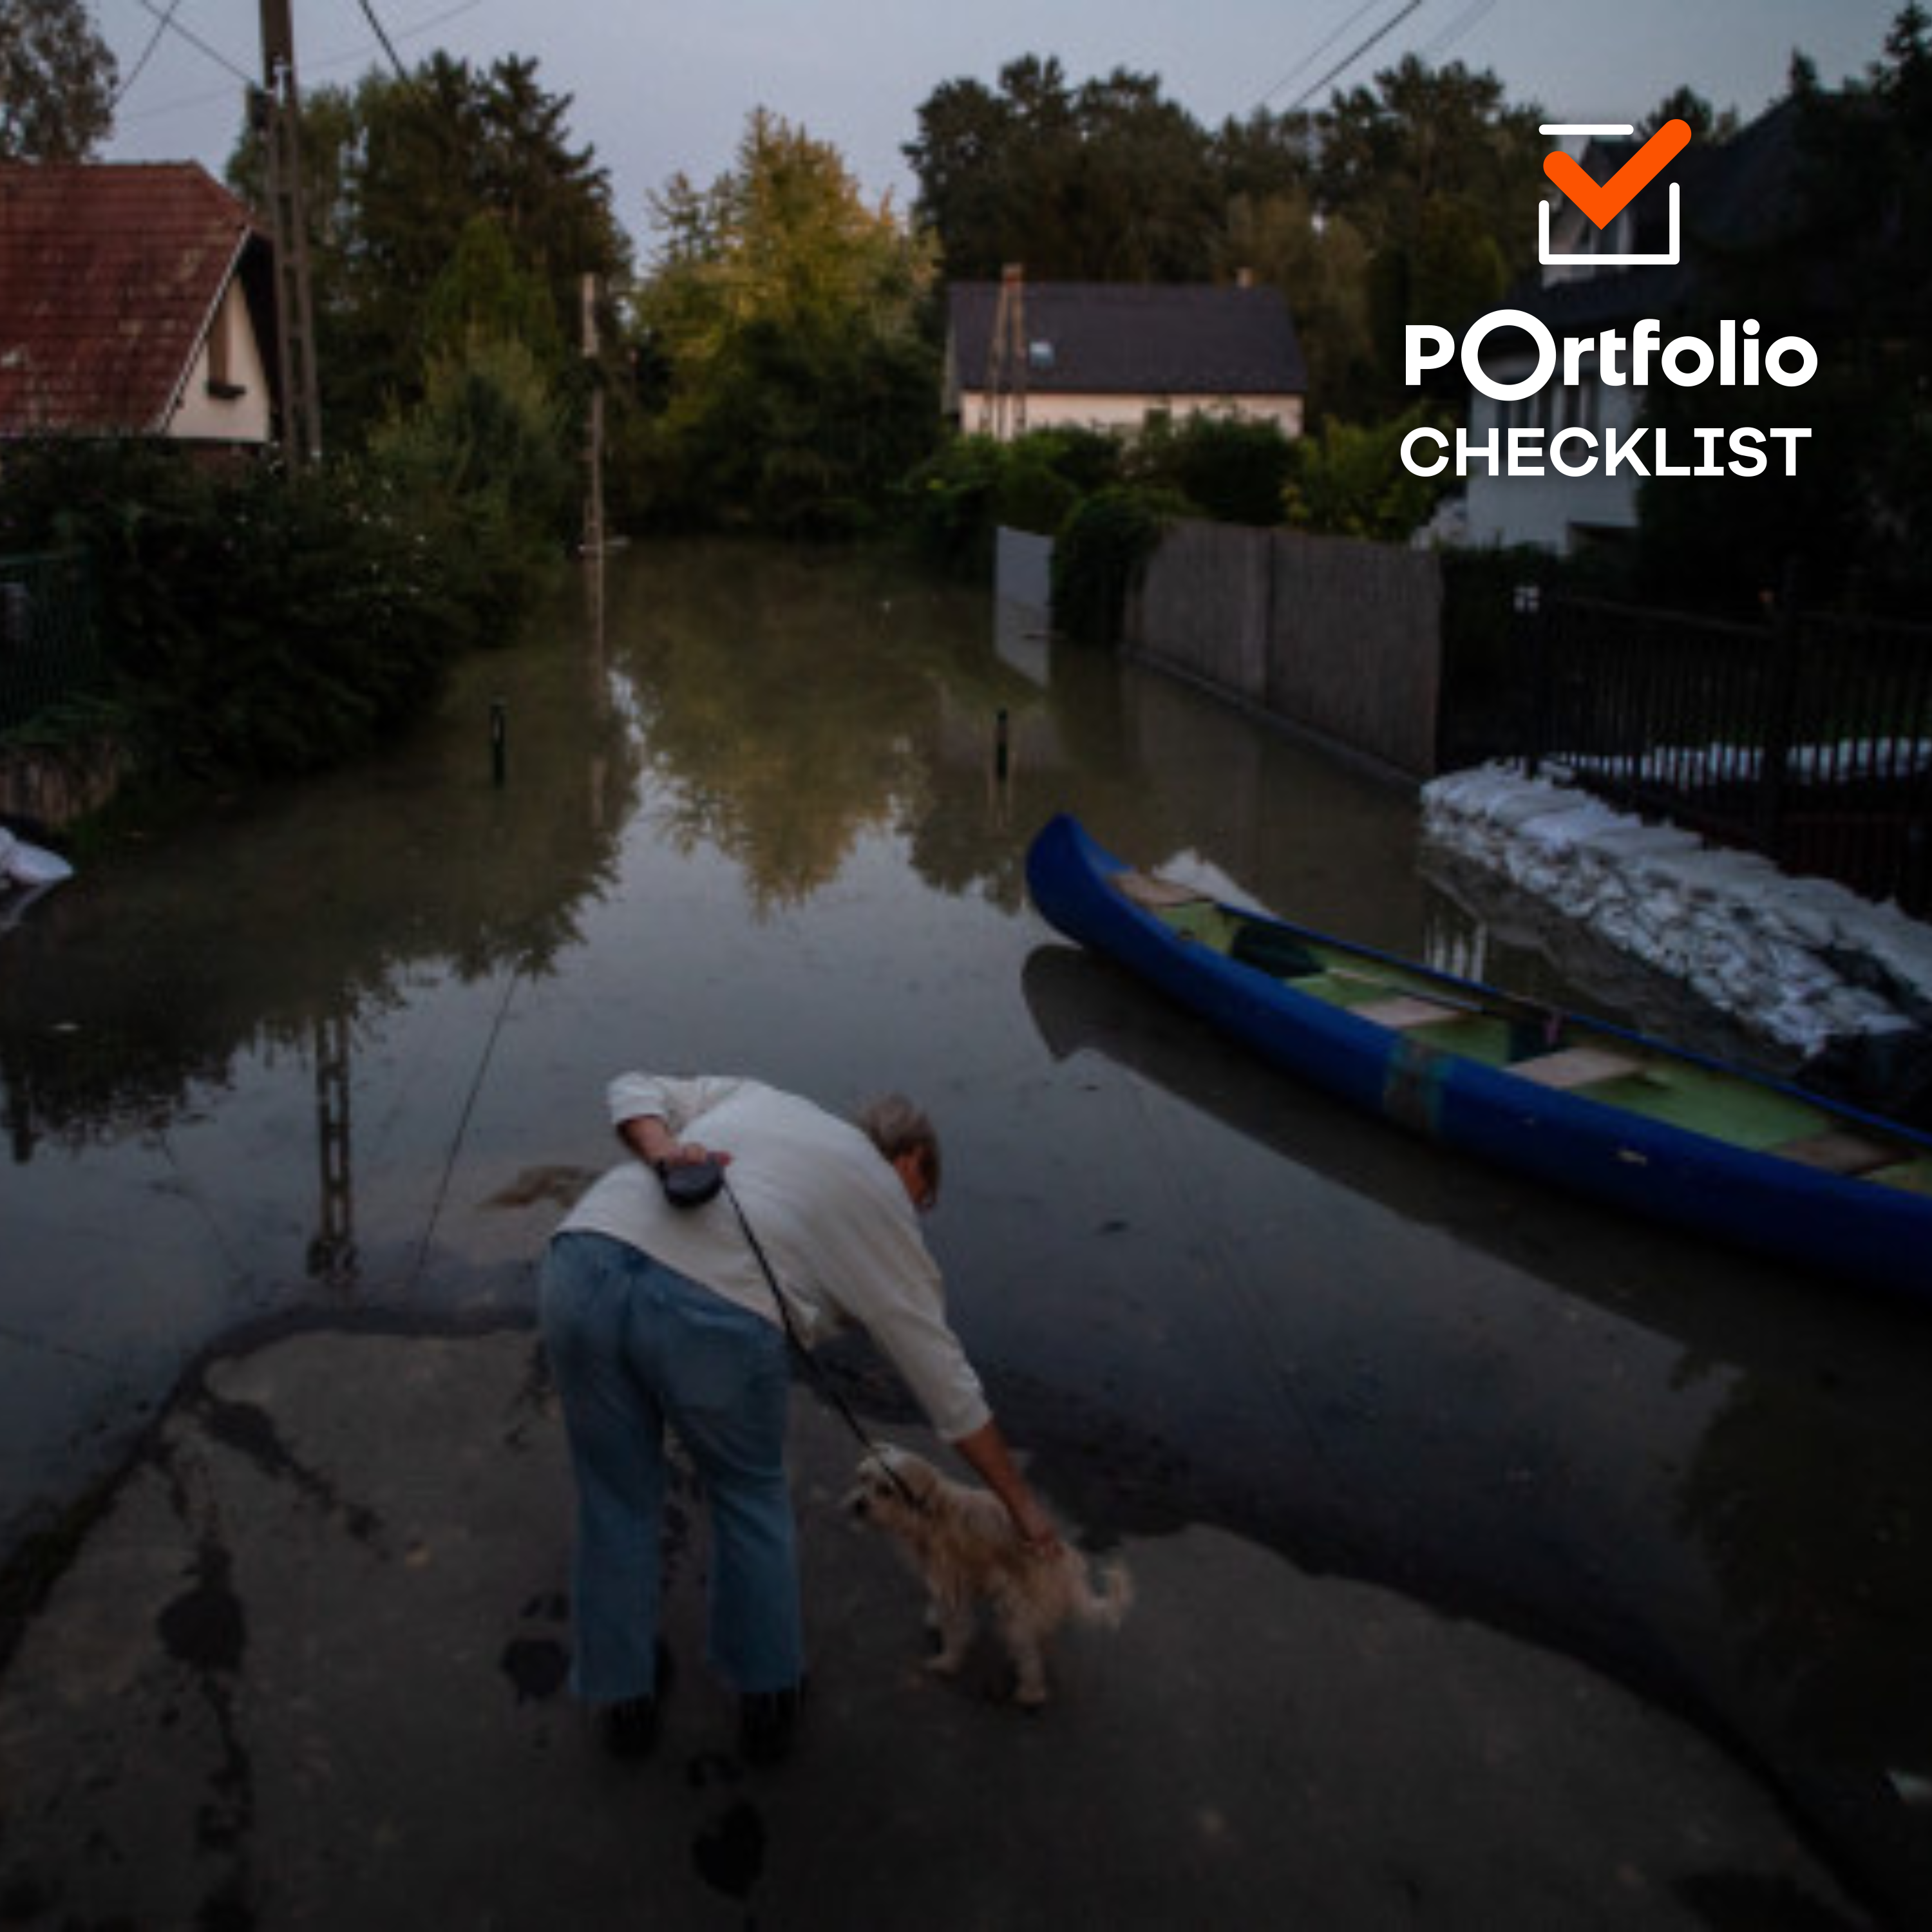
961	1542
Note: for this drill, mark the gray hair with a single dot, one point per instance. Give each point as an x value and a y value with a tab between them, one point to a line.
895	1126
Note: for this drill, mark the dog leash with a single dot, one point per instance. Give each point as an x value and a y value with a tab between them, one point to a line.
703	1191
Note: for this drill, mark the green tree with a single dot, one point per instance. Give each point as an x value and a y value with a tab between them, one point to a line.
1421	134
1398	201
395	172
784	311
1843	188
484	293
1350	481
1322	266
57	80
1428	166
1108	181
1707	124
1230	468
485	451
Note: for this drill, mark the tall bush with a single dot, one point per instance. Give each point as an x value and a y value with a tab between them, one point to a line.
485	459
1230	468
1102	549
973	483
1350	481
255	623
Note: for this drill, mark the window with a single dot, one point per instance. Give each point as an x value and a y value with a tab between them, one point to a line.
221	383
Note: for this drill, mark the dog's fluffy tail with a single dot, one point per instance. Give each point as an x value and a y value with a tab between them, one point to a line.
1111	1601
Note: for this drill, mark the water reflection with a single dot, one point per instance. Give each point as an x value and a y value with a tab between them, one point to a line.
265	925
344	1048
786	711
332	1250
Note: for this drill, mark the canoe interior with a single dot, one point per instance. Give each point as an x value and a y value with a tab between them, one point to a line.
1543	1047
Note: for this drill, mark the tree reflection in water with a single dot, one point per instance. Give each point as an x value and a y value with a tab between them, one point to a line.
345	1044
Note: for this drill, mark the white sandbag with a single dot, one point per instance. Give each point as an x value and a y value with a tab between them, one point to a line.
26	865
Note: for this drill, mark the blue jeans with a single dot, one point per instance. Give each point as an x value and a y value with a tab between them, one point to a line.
635	1345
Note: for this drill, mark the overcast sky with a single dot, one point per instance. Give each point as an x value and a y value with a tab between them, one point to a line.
658	88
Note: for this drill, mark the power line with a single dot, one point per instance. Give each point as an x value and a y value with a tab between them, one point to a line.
1457	28
146	54
1341	66
170	25
377	27
166	21
1315	53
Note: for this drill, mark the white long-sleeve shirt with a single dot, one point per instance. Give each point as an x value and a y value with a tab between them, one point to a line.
828	1209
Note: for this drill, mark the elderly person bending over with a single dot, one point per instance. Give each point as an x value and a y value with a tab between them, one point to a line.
654	1315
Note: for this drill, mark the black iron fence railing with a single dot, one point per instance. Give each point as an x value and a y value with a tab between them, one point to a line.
1807	738
50	650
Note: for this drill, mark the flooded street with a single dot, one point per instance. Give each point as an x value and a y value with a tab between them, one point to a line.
338	1055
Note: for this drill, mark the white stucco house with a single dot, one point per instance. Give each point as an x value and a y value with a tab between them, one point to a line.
1106	354
1731	194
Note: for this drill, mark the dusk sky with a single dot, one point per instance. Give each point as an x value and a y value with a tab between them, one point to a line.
659	88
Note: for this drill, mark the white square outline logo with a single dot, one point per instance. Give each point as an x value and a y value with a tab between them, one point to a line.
1668	260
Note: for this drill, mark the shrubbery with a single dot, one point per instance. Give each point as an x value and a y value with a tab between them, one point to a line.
1098	556
484	458
1102	496
1231	469
1350	481
255	623
974	484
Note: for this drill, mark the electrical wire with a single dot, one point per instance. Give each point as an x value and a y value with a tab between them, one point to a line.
147	54
170	24
377	27
1315	53
164	22
1341	66
1457	28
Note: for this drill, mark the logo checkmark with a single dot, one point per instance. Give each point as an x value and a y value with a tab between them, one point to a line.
1603	202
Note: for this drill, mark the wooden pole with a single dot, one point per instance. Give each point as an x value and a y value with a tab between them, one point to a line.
277	119
593	495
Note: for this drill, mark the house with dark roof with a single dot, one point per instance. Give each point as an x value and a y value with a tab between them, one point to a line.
1025	356
135	301
1732	195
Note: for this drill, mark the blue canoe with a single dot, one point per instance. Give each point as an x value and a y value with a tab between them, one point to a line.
1568	1100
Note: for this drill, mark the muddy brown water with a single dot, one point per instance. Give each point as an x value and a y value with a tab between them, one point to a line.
337	1054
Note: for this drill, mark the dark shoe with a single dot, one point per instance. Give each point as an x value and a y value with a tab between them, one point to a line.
630	1730
766	1721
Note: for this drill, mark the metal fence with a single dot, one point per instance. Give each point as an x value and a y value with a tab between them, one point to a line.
1807	738
50	650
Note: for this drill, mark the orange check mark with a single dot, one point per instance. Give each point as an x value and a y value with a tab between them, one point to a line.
1603	202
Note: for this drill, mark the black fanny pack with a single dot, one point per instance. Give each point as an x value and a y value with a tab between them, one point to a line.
692	1183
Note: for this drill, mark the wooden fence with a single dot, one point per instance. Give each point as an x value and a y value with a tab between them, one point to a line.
1339	638
48	649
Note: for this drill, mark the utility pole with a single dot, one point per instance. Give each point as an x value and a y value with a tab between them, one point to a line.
593	493
332	1252
1003	407
278	117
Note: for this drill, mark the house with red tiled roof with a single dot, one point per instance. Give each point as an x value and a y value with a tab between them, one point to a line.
135	300
1106	354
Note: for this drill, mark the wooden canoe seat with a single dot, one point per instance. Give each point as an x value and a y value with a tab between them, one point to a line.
1156	894
1575	1066
1836	1151
1405	1011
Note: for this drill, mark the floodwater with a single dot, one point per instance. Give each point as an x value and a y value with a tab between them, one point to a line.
337	1054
